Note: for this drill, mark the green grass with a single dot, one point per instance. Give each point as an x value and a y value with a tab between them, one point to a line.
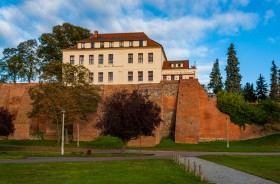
267	167
269	143
136	171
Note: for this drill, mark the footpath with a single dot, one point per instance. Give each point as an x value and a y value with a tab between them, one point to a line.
224	175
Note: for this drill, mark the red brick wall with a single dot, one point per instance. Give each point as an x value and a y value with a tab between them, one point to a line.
185	107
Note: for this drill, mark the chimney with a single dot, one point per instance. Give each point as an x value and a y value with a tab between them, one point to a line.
95	33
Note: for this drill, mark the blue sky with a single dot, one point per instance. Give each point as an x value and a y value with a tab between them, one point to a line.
200	31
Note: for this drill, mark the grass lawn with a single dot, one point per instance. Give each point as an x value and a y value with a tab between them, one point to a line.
269	143
267	167
136	171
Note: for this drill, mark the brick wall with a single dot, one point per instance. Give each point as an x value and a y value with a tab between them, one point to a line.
187	112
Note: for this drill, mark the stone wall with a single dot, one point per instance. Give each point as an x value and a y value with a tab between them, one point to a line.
187	113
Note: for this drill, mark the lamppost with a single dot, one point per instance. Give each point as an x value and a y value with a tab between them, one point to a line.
62	132
227	133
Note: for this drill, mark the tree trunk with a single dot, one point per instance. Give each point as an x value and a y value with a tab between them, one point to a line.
124	146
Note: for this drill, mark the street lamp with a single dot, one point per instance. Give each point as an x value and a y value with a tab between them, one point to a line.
62	132
227	133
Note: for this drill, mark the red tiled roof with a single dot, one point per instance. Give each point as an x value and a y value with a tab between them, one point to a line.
110	37
167	64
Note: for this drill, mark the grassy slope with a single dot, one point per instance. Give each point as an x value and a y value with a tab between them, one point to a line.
264	166
266	144
270	143
139	171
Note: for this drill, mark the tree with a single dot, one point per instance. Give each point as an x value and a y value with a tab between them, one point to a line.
128	115
6	122
274	88
12	64
73	93
234	105
233	78
62	37
249	92
215	83
261	89
28	53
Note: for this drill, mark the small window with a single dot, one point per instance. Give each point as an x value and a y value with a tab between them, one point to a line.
110	59
140	43
140	76
91	59
83	45
172	77
130	76
91	77
130	58
81	61
110	76
111	44
100	76
179	65
121	43
130	43
180	77
140	57
101	44
100	59
72	60
164	77
150	57
92	44
150	76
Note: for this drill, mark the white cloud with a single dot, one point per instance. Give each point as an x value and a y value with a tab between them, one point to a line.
269	14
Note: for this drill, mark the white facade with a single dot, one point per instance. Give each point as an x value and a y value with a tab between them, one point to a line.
123	58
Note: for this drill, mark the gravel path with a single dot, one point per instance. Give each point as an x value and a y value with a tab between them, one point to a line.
224	175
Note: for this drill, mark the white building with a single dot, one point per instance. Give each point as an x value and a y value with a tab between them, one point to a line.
124	58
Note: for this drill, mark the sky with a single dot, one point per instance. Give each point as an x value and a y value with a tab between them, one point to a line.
197	30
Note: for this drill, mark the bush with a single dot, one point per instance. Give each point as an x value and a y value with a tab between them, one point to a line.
6	122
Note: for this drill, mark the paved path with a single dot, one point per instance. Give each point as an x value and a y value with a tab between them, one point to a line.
224	175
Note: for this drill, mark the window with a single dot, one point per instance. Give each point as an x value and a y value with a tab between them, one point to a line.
130	43
130	58
100	76
140	76
110	59
150	57
83	45
72	60
91	77
100	59
111	44
130	76
164	77
81	61
140	43
101	44
172	77
91	61
140	57
150	76
121	43
179	65
180	77
92	44
110	76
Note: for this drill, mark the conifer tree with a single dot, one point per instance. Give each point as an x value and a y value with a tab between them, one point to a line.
249	92
215	83
233	79
274	86
261	89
